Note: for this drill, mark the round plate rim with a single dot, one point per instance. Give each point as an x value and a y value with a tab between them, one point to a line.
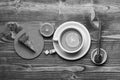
87	42
16	40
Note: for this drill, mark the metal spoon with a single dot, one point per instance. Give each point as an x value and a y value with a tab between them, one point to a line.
98	57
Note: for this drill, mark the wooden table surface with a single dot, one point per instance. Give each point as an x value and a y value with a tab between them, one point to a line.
53	67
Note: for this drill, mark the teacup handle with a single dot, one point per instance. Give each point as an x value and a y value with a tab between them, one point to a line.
55	38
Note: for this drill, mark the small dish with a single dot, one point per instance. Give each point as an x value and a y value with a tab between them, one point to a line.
37	40
104	54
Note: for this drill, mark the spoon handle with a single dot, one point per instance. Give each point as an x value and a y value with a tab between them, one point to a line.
98	56
99	37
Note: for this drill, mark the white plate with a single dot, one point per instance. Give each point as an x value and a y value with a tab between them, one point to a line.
80	53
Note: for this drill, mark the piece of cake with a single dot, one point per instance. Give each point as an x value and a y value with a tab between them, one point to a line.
24	39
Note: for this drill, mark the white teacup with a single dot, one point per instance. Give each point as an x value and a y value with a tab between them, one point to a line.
71	38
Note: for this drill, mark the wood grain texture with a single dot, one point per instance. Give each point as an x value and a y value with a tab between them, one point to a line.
53	67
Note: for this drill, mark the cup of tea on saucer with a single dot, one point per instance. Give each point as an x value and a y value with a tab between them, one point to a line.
71	38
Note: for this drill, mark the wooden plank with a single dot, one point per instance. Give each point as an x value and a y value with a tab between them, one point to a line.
8	55
30	11
58	68
73	72
59	75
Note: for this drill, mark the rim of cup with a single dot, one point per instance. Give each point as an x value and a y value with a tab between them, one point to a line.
75	28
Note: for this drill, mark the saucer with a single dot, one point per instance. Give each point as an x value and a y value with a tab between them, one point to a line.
37	40
82	51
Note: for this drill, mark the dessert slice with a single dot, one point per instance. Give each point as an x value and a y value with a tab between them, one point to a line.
24	39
